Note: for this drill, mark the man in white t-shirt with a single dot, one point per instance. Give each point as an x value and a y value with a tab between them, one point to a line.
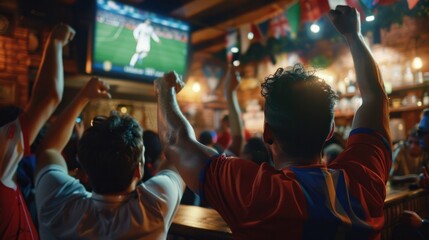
142	34
111	152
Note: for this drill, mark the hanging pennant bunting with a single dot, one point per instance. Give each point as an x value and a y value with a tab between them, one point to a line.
264	27
279	26
257	34
293	15
412	3
370	4
387	2
231	41
334	3
312	10
356	4
245	34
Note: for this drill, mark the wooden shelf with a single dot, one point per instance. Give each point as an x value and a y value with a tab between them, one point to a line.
395	89
347	115
408	108
410	87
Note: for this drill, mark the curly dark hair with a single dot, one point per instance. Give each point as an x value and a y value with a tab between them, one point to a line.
110	151
299	109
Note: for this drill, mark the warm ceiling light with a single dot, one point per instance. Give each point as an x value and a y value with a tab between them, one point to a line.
250	36
236	63
196	87
315	28
123	110
370	18
417	63
234	49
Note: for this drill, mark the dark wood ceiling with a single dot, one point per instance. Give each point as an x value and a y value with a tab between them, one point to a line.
211	19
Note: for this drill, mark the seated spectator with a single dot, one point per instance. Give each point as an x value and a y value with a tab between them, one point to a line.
331	152
152	153
408	159
298	198
224	133
423	134
70	155
209	139
256	151
111	152
18	130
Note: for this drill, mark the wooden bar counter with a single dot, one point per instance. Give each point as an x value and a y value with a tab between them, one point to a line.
193	222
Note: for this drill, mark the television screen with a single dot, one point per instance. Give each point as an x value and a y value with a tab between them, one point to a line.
137	44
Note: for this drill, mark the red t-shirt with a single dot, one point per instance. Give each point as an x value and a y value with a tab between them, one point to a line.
224	139
343	200
15	220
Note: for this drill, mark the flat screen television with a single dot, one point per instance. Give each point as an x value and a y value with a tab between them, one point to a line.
132	43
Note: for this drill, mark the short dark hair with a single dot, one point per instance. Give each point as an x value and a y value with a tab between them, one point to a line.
152	144
256	149
299	109
206	137
110	151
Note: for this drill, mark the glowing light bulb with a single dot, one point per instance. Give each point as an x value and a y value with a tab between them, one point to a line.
234	49
236	63
370	18
417	63
196	87
250	35
315	28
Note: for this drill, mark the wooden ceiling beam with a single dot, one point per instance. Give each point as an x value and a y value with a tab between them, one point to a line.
192	8
206	35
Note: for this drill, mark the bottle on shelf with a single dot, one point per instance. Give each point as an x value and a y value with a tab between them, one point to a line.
408	75
426	98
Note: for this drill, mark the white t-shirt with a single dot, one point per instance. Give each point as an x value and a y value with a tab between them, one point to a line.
67	211
12	146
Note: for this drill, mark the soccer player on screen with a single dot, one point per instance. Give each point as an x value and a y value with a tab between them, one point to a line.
142	34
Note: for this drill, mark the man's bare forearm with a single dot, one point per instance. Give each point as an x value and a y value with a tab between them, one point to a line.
173	125
235	123
367	72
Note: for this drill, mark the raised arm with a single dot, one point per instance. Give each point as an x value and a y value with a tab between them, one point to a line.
374	112
234	113
176	134
60	131
49	84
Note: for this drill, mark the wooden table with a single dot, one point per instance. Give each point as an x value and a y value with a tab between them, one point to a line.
199	223
193	222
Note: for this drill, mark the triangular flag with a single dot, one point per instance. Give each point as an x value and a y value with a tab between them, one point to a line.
279	26
293	14
257	33
264	27
244	40
312	10
412	3
370	4
231	41
334	3
387	2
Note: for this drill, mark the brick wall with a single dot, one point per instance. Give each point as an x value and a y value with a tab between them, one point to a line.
14	65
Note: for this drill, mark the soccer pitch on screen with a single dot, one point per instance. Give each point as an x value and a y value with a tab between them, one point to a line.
117	45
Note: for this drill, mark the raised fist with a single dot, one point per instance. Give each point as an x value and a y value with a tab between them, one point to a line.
345	19
62	33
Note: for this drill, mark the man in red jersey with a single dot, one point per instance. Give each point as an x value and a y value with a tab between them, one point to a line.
18	132
298	198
